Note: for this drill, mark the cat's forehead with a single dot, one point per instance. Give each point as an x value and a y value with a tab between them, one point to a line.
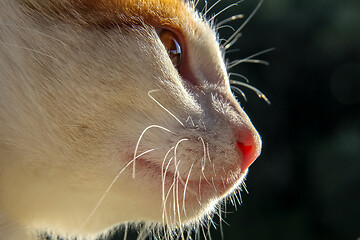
106	13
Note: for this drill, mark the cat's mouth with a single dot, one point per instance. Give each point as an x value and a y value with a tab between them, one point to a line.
198	184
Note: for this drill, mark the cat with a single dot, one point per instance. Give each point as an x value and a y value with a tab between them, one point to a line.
115	112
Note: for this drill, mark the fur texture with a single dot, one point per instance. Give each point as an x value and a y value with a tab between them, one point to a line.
98	128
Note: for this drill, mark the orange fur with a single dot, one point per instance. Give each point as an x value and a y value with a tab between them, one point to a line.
107	13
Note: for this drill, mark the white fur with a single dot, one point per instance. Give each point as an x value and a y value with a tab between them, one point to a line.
73	103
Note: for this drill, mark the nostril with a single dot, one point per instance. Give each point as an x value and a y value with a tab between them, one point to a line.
248	155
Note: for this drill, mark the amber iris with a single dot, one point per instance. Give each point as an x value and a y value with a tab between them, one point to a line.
172	46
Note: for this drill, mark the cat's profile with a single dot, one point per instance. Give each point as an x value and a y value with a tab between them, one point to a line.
114	112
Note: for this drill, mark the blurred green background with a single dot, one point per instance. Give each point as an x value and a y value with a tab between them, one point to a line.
306	183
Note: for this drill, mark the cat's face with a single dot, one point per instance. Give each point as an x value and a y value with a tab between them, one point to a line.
128	94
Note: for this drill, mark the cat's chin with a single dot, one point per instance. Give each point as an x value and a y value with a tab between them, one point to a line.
184	199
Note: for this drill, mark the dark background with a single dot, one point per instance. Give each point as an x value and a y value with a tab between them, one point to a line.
306	183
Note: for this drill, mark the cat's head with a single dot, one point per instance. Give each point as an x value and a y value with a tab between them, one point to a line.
123	107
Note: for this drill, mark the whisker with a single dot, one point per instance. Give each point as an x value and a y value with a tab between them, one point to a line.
163	176
246	60
257	91
163	173
220	223
125	232
232	18
232	50
138	142
232	42
238	91
240	75
204	9
191	120
204	157
223	10
175	151
213	183
203	231
208	153
244	186
196	3
250	58
200	189
232	201
149	94
178	209
211	7
143	234
239	200
186	183
209	228
164	215
244	23
166	198
214	169
224	26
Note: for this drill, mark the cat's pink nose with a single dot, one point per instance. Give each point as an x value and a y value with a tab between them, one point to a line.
250	151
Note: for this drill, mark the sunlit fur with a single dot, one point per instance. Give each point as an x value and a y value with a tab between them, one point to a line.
97	127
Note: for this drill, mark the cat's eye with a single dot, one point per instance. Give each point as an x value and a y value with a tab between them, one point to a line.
172	46
175	45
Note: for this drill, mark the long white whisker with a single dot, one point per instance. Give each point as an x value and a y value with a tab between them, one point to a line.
186	183
163	174
204	157
149	94
166	198
175	151
208	152
138	142
178	207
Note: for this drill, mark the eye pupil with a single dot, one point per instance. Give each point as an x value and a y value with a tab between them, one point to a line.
172	46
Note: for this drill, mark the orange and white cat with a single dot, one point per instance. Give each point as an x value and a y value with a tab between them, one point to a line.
114	112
